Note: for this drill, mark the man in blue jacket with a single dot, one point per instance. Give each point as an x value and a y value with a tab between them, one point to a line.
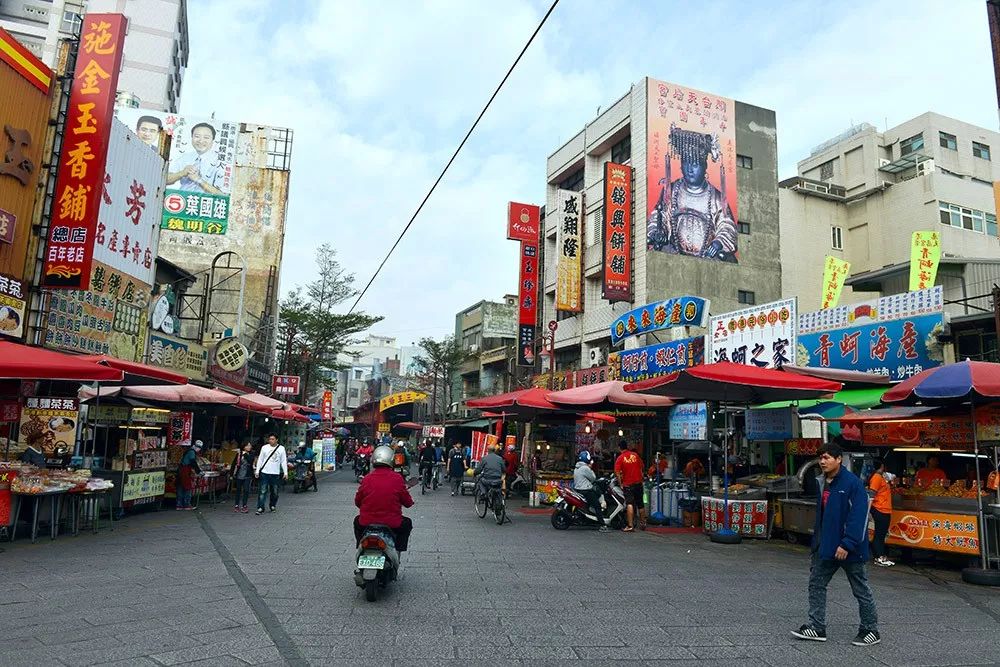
840	540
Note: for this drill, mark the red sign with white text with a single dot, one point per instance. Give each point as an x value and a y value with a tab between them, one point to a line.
80	182
617	232
523	222
527	304
285	385
327	406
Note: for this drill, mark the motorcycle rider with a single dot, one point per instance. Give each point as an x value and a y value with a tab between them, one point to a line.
456	467
428	457
583	482
490	470
307	456
380	500
364	450
401	459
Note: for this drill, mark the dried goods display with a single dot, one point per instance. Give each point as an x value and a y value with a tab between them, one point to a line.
32	480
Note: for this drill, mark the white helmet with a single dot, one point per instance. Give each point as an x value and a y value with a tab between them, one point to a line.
382	456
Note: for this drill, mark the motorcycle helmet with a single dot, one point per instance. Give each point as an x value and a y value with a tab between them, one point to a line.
510	448
383	456
585	457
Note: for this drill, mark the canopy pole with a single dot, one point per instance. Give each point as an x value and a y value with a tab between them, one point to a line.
979	491
93	427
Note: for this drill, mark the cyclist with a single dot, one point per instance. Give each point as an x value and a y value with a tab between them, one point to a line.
583	483
490	470
427	460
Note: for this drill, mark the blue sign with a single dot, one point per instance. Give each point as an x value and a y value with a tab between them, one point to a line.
773	424
655	360
681	311
897	348
689	421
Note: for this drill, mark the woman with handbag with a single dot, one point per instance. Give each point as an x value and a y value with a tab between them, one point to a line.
242	473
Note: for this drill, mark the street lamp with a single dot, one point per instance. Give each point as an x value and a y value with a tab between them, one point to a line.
548	351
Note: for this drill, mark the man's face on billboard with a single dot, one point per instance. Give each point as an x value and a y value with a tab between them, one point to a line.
202	139
149	132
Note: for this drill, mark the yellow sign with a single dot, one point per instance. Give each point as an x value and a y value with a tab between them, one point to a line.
957	533
383	428
925	253
400	399
834	274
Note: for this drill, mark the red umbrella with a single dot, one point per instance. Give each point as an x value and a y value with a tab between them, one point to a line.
607	396
142	373
21	362
729	382
533	398
289	415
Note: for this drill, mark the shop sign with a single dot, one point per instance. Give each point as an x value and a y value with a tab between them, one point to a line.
149	459
655	360
746	517
988	423
681	311
617	216
179	429
231	355
493	356
285	385
400	398
8	221
834	274
143	485
569	251
185	357
433	432
150	416
79	187
523	222
329	456
943	432
383	427
108	415
259	375
12	296
528	304
480	442
689	421
770	424
761	336
48	423
925	254
511	440
557	381
594	375
326	406
10	411
956	533
894	335
803	446
499	320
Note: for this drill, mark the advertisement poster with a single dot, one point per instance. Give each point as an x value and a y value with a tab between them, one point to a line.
326	406
12	296
617	216
329	457
772	424
894	335
179	431
528	304
681	311
691	172
942	432
140	485
834	274
6	477
523	222
689	421
660	359
925	254
988	423
433	432
569	248
182	356
200	175
763	336
80	184
47	424
957	533
746	517
285	385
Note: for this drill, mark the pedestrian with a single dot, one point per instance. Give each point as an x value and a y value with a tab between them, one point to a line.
511	463
629	469
187	472
840	540
456	467
242	472
272	467
881	511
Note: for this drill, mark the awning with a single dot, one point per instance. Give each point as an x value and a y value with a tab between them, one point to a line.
859	399
289	415
838	375
730	382
143	373
607	396
475	423
182	393
885	414
22	362
259	403
409	426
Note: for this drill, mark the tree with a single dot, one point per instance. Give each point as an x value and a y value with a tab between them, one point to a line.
436	367
311	334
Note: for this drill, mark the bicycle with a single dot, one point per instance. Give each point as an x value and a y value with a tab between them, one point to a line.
491	500
425	479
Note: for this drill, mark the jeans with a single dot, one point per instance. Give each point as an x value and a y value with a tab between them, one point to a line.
183	497
593	497
242	491
456	483
268	482
881	530
820	574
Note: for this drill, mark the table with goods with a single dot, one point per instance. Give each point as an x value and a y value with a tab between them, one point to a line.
74	491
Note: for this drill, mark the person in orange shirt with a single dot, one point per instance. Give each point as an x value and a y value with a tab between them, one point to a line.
694	469
628	469
881	510
661	466
927	476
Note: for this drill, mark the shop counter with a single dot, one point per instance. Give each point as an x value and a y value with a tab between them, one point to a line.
547	485
935	523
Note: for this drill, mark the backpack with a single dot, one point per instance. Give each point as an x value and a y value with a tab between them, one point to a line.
399	459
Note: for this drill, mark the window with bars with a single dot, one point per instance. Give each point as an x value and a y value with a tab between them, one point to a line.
746	297
981	151
826	171
949	141
70	22
573	182
744	161
279	149
622	151
911	144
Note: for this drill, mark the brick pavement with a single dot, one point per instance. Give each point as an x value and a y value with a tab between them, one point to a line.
217	588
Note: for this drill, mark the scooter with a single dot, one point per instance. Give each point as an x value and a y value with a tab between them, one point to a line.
377	560
572	509
304	476
362	466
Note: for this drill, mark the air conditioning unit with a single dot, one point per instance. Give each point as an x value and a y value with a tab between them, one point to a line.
473	348
882	162
886	184
925	167
596	357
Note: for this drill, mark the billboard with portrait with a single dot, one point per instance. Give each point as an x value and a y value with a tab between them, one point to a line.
691	173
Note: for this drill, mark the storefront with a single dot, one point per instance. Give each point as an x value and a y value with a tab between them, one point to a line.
133	442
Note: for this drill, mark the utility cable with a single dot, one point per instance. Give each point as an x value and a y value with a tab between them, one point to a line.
455	154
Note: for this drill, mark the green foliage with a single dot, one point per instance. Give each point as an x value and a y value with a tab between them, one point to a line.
436	366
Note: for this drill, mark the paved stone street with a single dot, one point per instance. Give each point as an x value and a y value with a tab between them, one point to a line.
217	588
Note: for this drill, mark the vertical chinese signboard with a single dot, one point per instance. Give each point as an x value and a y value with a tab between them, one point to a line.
80	184
569	271
617	232
763	336
326	406
528	304
925	253
834	274
523	222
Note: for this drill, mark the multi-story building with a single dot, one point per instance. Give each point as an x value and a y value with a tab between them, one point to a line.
156	49
861	195
487	332
375	367
712	233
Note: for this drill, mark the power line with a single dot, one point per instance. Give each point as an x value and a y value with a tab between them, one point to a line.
455	154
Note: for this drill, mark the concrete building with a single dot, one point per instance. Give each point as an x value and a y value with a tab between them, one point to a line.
487	332
861	195
156	49
621	134
378	358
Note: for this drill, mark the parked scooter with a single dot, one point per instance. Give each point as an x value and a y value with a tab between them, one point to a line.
572	509
362	466
377	560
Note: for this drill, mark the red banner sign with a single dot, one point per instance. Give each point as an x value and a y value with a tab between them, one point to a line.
10	411
523	222
80	183
617	232
326	407
944	432
179	431
528	304
746	517
285	385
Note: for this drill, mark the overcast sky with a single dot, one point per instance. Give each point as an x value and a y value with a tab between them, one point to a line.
380	93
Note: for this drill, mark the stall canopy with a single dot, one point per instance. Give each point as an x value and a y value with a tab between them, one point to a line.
729	382
304	409
967	381
289	415
183	393
259	403
21	362
858	399
607	396
136	373
847	378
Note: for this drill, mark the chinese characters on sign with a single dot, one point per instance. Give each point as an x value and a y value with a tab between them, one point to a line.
943	432
523	222
617	284
200	176
528	304
401	398
569	251
655	360
957	533
285	385
12	302
7	222
772	424
80	185
48	423
689	421
185	357
746	517
681	311
326	406
925	253
763	336
834	274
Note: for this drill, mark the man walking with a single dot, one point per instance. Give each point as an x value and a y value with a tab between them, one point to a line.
840	540
272	467
629	468
456	467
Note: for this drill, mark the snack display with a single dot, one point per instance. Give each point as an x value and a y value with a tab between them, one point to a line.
32	480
